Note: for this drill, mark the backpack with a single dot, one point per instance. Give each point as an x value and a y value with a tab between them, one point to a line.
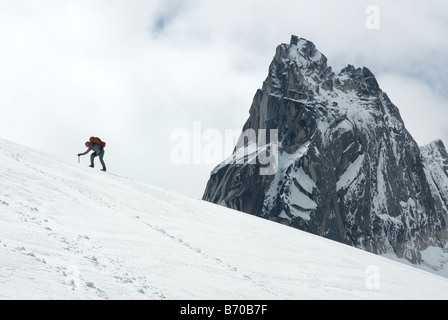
97	141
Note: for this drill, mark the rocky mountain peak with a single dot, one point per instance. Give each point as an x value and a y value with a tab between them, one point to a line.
437	147
348	169
304	53
362	79
295	66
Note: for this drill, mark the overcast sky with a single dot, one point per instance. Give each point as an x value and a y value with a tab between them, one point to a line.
133	72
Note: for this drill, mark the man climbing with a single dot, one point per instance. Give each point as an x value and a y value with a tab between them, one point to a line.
97	146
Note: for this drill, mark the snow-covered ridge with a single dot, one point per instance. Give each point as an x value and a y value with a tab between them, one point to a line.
70	232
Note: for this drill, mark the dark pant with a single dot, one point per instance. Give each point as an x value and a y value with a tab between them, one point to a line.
101	155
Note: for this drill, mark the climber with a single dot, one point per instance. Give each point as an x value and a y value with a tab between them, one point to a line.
98	151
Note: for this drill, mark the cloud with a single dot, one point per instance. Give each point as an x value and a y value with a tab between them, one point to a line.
423	110
133	72
166	12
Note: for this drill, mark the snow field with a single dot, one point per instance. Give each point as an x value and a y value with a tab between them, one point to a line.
72	232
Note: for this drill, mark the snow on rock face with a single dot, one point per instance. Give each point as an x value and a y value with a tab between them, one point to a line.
71	232
372	186
435	159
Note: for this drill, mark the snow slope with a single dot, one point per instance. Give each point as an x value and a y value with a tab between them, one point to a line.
71	232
